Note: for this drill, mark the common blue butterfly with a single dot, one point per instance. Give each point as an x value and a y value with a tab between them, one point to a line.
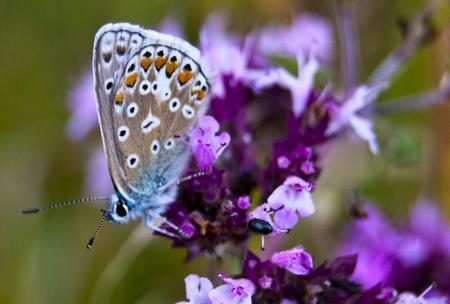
150	90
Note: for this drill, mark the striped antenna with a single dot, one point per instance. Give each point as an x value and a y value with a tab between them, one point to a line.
63	204
97	231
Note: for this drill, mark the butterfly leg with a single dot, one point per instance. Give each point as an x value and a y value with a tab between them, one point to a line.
180	232
176	182
153	227
189	177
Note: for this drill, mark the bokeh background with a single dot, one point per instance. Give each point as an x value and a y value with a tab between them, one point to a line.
47	46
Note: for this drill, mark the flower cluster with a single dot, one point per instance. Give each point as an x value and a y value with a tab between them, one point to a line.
249	98
408	257
288	277
261	145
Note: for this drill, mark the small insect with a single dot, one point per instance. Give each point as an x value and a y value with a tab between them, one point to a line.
150	91
260	226
357	208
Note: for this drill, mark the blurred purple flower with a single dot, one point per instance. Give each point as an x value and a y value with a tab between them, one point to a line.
205	144
234	291
296	260
408	257
410	298
374	253
347	114
98	181
171	26
299	87
197	289
82	106
310	34
223	53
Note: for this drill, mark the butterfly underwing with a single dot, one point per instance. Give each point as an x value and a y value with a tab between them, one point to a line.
150	91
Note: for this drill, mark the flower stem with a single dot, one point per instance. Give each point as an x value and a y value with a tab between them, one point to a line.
416	32
413	103
115	270
349	46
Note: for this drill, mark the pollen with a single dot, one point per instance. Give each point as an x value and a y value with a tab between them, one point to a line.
131	79
185	76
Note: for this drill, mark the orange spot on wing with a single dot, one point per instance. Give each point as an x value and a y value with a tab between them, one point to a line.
146	63
170	68
200	94
160	62
131	79
185	76
119	99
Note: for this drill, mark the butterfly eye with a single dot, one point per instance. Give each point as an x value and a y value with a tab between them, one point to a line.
121	209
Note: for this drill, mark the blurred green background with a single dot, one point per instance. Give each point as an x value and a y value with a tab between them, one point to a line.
47	45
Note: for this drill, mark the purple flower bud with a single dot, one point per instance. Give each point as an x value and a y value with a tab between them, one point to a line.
243	202
265	282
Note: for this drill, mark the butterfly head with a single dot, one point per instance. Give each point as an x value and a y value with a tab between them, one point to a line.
120	209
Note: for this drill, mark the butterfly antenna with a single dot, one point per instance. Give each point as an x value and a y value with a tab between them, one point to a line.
97	231
62	204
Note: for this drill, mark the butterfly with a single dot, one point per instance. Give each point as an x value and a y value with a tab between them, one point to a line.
151	89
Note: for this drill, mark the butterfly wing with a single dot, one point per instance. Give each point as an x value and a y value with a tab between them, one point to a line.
150	89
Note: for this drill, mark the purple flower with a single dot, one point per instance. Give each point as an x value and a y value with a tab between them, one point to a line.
234	291
197	289
347	114
299	86
375	253
205	144
200	290
265	212
82	106
244	202
408	257
410	298
171	26
288	301
291	200
296	260
310	34
237	291
223	53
